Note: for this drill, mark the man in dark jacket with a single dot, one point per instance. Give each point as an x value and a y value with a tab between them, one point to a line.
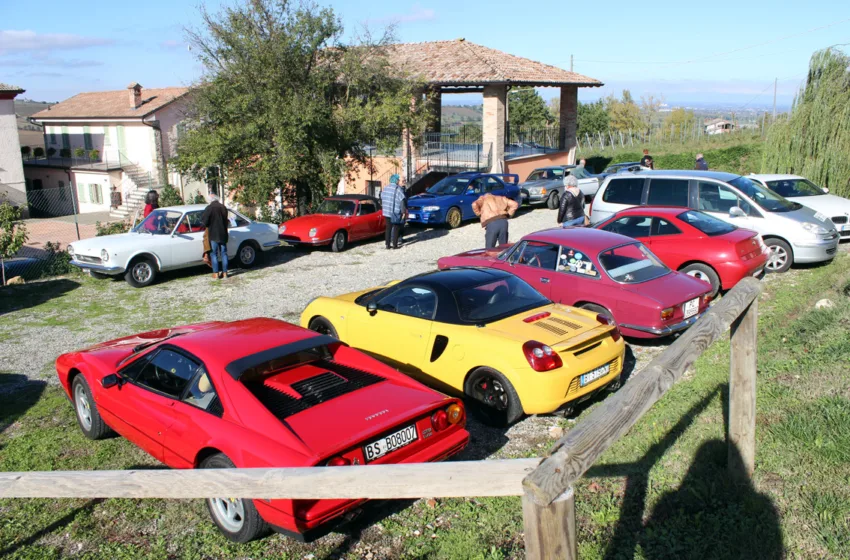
215	220
646	160
701	164
571	208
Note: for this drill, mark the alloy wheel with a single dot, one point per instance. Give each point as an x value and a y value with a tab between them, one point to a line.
454	218
230	512
142	272
247	255
778	257
491	392
83	406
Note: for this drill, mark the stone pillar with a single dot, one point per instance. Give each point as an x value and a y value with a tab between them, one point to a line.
495	98
568	114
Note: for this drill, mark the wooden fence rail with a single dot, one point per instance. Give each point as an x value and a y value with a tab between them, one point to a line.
548	500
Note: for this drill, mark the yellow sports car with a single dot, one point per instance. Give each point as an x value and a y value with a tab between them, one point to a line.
482	332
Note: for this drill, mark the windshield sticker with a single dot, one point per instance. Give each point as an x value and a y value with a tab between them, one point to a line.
820	216
577	264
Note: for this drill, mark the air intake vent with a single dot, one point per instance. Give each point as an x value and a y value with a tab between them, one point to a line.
569	324
550	327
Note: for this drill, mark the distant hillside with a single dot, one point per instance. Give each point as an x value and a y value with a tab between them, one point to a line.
457	114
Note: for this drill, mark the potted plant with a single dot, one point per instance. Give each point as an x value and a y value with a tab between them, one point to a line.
80	152
94	155
65	152
51	152
38	152
25	152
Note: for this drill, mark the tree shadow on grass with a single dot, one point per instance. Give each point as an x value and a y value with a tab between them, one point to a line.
16	298
58	524
17	395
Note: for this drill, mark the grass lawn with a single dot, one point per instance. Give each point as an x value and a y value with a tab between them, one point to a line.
660	492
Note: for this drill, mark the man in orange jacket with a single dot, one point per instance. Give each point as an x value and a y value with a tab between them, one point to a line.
494	212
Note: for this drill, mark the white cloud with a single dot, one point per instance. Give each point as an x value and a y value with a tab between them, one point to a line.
29	41
416	13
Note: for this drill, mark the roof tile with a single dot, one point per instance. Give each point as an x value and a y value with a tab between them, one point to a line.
111	104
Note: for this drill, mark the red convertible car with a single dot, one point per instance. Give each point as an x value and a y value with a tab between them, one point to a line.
259	393
694	243
600	271
338	221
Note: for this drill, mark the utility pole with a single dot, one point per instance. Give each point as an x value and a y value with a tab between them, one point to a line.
571	63
775	83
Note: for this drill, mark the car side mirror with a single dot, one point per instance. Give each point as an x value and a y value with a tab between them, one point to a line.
372	308
110	381
736	212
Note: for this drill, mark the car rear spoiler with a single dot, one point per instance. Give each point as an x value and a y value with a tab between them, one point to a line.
238	367
504	175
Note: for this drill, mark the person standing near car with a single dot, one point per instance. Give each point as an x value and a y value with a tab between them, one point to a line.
646	160
494	212
215	220
571	208
701	164
394	208
151	202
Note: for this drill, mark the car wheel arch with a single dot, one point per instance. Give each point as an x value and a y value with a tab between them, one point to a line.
145	255
695	261
207	452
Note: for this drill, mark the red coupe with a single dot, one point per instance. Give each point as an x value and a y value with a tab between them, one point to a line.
259	393
338	221
604	272
694	243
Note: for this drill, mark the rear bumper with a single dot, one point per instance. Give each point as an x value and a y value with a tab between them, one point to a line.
306	531
647	331
733	272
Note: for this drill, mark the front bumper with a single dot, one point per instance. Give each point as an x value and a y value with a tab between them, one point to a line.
103	269
535	198
644	331
284	240
425	218
815	251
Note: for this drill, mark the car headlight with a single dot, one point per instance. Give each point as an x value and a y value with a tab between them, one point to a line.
814	228
534	190
312	232
431	209
281	229
104	255
71	250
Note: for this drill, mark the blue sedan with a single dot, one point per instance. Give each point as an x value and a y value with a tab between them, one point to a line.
450	201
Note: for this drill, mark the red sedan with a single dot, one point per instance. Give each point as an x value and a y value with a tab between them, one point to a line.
604	272
338	221
259	393
694	243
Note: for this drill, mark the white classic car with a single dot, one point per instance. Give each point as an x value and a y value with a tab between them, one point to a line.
167	239
803	191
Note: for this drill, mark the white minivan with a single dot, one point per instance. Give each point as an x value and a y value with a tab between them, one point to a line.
794	233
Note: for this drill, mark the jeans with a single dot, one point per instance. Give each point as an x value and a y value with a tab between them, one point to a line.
214	255
577	222
496	232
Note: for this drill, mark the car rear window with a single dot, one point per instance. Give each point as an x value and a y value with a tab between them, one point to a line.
624	191
631	264
668	192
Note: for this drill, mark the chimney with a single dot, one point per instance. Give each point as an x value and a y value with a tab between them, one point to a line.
135	95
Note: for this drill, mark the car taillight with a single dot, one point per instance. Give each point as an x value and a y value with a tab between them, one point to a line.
667	313
338	462
454	413
541	357
746	247
606	320
440	420
706	299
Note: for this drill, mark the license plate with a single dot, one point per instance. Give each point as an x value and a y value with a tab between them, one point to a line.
691	308
592	376
412	216
397	440
845	227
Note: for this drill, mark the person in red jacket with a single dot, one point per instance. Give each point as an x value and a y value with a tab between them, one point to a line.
151	202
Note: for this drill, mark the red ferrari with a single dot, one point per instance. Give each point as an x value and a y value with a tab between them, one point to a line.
338	221
603	272
694	243
259	393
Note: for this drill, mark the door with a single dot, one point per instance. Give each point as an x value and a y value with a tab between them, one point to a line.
666	243
365	221
535	262
719	200
237	232
399	331
160	224
196	420
473	191
187	242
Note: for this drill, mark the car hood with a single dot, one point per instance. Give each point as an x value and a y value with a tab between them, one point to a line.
353	418
669	290
827	204
564	327
428	198
306	223
112	243
806	214
548	183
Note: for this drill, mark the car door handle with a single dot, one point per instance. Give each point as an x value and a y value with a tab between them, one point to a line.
544	280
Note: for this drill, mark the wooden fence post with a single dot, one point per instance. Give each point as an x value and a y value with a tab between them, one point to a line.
550	531
742	393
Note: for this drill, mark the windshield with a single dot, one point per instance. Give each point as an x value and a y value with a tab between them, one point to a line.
159	222
450	185
709	225
337	207
632	264
795	187
496	300
765	198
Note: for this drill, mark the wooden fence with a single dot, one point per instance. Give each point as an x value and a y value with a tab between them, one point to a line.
548	500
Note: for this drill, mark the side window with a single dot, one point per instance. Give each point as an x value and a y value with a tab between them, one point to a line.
168	372
476	187
663	227
366	208
201	392
668	192
493	184
557	174
631	226
236	220
576	262
624	191
536	175
538	255
720	198
413	301
194	221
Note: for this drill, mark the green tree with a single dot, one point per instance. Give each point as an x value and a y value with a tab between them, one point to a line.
285	102
13	234
624	114
527	109
678	120
650	107
814	140
170	197
592	118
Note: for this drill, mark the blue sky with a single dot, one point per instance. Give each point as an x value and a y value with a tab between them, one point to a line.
723	52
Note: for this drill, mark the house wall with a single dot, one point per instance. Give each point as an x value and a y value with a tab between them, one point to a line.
356	182
53	196
138	141
93	190
11	167
525	165
169	117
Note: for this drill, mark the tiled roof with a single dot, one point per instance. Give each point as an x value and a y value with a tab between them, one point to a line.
460	62
111	104
8	88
